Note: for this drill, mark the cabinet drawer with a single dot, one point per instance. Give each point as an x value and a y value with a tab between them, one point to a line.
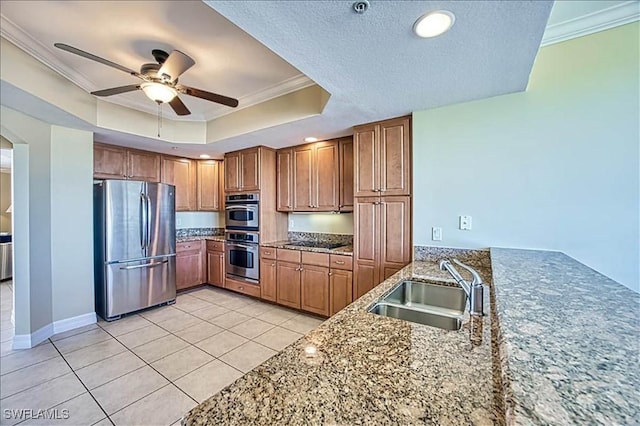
249	289
286	255
215	246
188	246
318	259
267	253
341	262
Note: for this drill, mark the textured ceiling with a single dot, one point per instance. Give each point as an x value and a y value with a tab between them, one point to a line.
373	66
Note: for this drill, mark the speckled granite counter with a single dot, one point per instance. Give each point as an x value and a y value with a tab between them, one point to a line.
570	341
345	250
200	237
368	370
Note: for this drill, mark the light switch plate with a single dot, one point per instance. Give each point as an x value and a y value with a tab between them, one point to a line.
465	223
436	233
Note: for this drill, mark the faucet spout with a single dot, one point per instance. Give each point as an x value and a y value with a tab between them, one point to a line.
474	291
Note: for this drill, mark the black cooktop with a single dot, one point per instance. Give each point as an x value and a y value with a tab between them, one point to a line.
318	244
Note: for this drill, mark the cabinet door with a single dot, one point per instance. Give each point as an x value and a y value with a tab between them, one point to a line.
188	269
215	268
395	235
340	290
395	157
109	162
303	199
208	185
366	244
288	284
181	173
326	176
285	180
249	170
268	280
315	289
232	172
346	174
366	160
143	166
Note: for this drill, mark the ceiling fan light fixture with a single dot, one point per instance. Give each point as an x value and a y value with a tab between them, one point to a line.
158	92
434	23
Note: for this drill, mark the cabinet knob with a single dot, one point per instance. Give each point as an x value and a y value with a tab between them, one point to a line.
311	205
273	264
240	288
330	273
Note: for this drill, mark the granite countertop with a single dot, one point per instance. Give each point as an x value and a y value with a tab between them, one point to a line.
346	250
369	369
569	341
200	237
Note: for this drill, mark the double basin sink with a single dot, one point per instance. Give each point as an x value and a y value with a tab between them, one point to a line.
429	304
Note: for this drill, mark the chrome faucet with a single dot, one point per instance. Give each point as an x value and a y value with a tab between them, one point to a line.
475	290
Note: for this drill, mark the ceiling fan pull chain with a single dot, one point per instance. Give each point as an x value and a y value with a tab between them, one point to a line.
159	117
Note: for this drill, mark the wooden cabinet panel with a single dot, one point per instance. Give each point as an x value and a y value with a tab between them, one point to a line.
109	162
285	180
366	229
143	165
395	231
315	289
215	268
317	259
232	172
268	274
181	172
365	276
346	174
291	256
250	170
303	199
326	175
340	290
366	160
215	245
188	269
395	157
338	261
268	253
288	284
242	287
209	196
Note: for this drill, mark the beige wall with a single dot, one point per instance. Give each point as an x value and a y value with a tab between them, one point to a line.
5	201
555	167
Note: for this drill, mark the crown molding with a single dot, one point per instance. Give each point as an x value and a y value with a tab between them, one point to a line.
604	19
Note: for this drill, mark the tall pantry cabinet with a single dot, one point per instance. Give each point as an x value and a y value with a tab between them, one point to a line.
382	201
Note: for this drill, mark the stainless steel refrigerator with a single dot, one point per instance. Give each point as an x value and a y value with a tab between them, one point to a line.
135	246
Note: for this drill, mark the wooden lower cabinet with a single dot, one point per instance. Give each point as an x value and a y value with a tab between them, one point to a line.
215	268
189	264
288	284
340	290
268	274
315	289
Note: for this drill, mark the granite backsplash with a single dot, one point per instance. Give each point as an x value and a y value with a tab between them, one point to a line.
199	232
345	239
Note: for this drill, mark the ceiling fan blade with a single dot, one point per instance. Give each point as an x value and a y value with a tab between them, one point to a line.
175	65
93	57
213	97
116	90
179	107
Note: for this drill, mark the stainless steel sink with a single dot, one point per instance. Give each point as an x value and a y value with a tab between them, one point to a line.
424	303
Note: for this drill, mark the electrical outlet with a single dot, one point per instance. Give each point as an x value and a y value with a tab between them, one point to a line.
436	233
465	223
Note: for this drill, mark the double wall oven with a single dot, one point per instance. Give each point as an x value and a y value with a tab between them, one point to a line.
242	237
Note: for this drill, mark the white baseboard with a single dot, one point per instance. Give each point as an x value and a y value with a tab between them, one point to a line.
26	341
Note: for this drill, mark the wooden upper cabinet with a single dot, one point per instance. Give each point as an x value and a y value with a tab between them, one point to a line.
303	197
181	173
326	175
346	174
143	165
250	170
232	172
208	187
382	158
285	180
115	162
242	170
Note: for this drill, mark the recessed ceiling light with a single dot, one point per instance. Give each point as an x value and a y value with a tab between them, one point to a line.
310	139
205	156
434	23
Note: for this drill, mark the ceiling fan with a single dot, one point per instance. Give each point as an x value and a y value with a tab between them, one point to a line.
159	81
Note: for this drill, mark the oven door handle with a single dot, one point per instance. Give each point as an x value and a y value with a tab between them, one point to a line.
238	208
242	246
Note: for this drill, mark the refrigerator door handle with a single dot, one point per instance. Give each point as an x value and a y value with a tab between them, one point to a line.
146	265
148	243
143	222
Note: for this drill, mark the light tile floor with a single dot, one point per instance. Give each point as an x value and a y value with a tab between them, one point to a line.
148	368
